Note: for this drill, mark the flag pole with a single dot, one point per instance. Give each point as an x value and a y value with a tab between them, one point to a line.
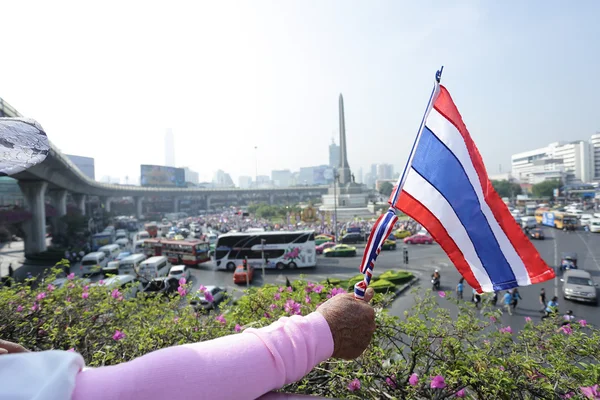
436	85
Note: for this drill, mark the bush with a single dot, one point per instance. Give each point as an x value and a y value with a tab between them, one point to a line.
382	286
357	278
397	277
470	352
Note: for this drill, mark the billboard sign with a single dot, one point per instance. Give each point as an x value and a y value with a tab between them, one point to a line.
160	176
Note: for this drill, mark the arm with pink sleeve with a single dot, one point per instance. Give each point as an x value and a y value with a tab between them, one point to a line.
241	366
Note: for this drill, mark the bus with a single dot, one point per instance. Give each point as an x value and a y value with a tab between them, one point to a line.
152	229
281	249
560	220
187	252
539	214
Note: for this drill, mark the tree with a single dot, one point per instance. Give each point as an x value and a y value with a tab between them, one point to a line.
505	188
546	188
386	188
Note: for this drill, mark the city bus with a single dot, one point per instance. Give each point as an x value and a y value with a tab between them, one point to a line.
281	249
188	252
560	220
539	214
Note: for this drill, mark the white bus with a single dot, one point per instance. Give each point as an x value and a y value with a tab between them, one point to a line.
154	267
281	249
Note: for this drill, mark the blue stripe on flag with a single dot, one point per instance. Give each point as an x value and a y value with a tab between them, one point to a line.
440	167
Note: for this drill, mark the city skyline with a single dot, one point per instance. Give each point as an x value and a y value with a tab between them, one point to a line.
266	78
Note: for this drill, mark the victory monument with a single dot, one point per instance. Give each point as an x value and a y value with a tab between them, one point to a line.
345	197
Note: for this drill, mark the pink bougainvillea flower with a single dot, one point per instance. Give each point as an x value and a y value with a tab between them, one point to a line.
442	294
281	289
289	289
354	385
582	322
181	290
307	299
68	299
273	307
19	308
391	381
567	395
208	297
221	319
50	287
493	319
71	276
438	382
182	282
527	319
202	289
591	392
115	294
460	393
71	350
86	288
277	296
292	308
35	307
40	296
85	295
176	319
566	329
267	315
318	289
413	380
501	368
101	282
238	328
507	329
118	335
71	285
335	292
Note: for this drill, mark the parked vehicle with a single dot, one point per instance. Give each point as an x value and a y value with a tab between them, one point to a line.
199	300
578	285
419	238
568	261
320	248
180	271
340	250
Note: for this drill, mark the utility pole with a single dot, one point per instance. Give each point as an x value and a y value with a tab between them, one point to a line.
262	242
335	178
256	165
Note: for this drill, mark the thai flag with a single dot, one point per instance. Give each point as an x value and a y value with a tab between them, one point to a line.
379	233
445	187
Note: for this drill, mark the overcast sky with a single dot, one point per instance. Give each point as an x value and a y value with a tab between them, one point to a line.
106	81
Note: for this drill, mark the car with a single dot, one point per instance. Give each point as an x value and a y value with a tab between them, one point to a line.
163	285
320	248
536	234
122	255
60	282
353	237
199	300
568	261
578	285
180	271
243	274
320	239
419	238
340	250
401	234
389	244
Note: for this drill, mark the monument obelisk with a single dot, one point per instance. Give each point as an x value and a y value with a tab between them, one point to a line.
344	167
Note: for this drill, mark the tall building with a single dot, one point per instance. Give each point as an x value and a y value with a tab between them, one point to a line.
334	155
385	171
169	149
222	179
317	175
282	178
245	182
263	181
571	162
359	175
85	165
191	176
595	156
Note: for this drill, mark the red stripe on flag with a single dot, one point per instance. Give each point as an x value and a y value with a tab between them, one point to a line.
363	264
421	214
536	267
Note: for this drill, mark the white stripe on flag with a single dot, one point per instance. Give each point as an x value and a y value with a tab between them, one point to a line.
451	137
431	199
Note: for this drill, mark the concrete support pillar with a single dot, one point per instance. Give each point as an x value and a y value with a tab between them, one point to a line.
58	199
106	201
207	203
79	201
271	199
138	206
175	204
35	229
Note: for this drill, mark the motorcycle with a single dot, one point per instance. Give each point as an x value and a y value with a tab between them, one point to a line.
435	282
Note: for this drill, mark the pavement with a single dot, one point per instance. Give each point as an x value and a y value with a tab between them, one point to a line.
423	260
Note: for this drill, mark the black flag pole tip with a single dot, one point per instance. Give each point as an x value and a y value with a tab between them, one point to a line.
438	74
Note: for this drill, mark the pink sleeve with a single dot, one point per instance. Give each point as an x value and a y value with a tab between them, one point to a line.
240	366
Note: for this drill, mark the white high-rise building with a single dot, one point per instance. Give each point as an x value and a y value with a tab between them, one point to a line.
169	149
595	156
570	162
282	178
245	182
191	176
385	171
222	179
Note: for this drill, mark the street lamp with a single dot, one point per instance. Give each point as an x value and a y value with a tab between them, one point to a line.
256	165
335	179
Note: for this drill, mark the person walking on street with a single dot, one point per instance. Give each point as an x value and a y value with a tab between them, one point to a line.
543	299
459	289
11	271
476	298
494	299
551	307
507	301
515	298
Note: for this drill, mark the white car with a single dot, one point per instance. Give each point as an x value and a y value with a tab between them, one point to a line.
180	271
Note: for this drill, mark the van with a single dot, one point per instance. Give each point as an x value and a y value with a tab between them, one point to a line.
138	247
142	235
594	225
128	285
528	222
93	263
111	251
122	234
211	237
123	243
154	267
130	265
